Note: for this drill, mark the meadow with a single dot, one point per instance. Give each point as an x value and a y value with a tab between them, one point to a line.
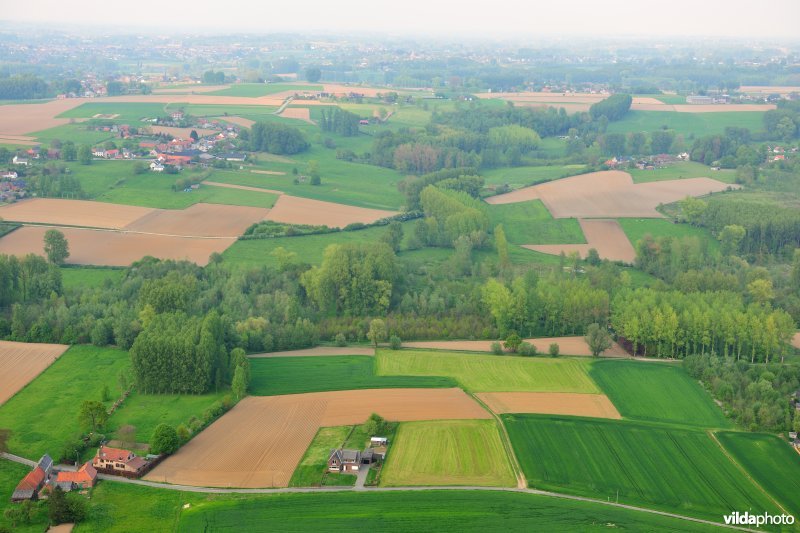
77	133
73	278
447	452
127	111
771	462
531	223
517	177
637	228
683	471
255	90
491	373
292	375
682	170
311	469
697	124
658	392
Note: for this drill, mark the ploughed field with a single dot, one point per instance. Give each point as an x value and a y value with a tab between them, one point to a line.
21	362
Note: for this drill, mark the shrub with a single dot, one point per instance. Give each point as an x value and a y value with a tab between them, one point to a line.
340	340
165	440
513	342
554	349
395	342
526	348
497	348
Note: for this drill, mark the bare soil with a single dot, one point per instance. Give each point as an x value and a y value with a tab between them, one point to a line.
605	236
551	403
21	362
19	119
567	346
299	113
260	441
200	220
295	210
796	341
73	212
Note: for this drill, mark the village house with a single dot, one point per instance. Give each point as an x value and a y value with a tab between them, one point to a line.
32	483
9	175
341	460
17	160
116	460
157	166
84	478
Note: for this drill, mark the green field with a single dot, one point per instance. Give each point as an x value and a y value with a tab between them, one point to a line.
293	375
491	373
679	470
447	452
699	124
74	278
637	228
255	90
43	415
10	475
77	133
531	223
127	111
682	170
523	176
312	466
771	462
660	392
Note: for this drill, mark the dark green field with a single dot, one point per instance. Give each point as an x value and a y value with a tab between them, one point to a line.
72	278
637	228
531	223
659	392
771	462
292	375
684	471
127	111
699	124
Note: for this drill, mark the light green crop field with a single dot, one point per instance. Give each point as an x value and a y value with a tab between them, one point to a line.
255	90
637	228
660	392
127	111
312	466
253	112
491	373
531	223
447	452
682	170
674	469
699	124
73	278
771	462
517	177
77	133
44	414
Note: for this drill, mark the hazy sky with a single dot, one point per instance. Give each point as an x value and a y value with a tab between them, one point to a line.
732	18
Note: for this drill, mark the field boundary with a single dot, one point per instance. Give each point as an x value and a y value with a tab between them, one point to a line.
522	481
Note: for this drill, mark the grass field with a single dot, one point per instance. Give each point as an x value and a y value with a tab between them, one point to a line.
10	475
253	112
74	278
523	176
77	133
447	452
637	228
127	111
659	392
770	461
312	466
43	415
254	90
699	124
682	170
293	375
491	373
118	508
680	470
531	223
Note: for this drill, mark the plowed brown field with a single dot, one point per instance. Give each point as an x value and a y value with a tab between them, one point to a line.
20	362
551	403
73	213
239	121
300	113
241	187
113	248
261	440
796	341
605	236
295	210
19	119
199	220
567	346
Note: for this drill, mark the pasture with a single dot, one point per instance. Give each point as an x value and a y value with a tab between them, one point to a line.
491	373
658	392
637	228
21	362
531	223
604	236
125	111
447	452
86	370
73	278
699	124
680	470
682	170
550	403
772	463
291	375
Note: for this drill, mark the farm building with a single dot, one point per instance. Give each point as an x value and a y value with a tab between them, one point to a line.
31	484
378	441
84	478
117	460
344	460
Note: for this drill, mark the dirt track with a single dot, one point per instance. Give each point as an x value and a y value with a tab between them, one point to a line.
296	210
272	433
73	213
567	346
20	362
551	403
605	236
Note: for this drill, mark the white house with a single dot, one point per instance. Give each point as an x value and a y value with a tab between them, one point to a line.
19	160
156	166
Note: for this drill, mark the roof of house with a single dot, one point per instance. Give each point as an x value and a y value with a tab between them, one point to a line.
32	481
46	463
350	456
137	463
113	454
86	473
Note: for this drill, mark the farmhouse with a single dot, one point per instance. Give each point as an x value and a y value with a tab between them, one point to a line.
32	483
344	460
116	460
84	478
17	160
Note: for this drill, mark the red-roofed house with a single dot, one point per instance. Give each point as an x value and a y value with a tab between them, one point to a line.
117	460
28	488
84	478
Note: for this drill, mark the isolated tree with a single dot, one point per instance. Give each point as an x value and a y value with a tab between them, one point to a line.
554	350
92	415
313	172
501	244
239	383
375	425
56	247
165	440
377	331
58	507
85	155
194	135
598	339
512	342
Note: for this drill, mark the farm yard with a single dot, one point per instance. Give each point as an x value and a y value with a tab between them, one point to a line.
284	426
550	403
21	362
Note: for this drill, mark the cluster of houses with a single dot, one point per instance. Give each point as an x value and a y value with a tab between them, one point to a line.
779	153
45	476
646	163
347	461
